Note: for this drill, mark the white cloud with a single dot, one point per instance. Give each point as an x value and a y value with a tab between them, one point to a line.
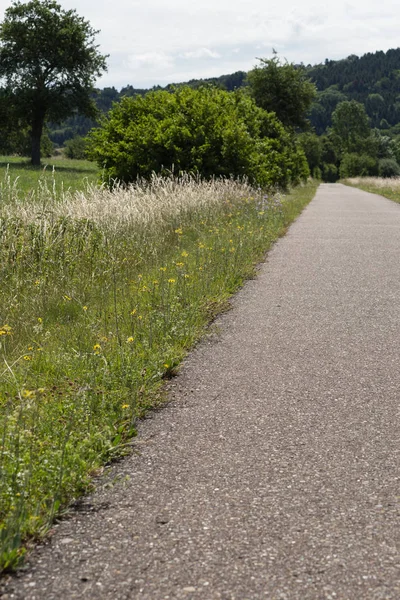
201	53
150	60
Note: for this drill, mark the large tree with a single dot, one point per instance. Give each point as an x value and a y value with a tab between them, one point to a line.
350	126
283	89
48	64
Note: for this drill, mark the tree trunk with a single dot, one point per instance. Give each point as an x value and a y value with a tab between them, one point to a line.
36	136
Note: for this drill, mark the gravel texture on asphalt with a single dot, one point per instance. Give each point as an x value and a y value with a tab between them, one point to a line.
274	471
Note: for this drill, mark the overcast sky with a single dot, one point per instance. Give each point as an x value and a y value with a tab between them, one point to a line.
154	42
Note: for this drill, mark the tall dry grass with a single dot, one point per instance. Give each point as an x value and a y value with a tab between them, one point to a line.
160	200
385	186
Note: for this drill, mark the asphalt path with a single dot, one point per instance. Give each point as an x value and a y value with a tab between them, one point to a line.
274	471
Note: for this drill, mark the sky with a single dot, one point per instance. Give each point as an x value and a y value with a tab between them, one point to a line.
156	42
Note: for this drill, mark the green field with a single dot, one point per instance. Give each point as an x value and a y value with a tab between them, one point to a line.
57	173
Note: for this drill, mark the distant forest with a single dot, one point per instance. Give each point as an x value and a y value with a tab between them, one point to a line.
372	79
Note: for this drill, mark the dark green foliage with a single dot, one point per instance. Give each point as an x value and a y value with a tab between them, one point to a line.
317	173
312	148
15	135
375	106
284	89
329	153
350	125
225	82
329	173
49	62
75	148
322	108
372	79
207	131
388	167
70	128
356	165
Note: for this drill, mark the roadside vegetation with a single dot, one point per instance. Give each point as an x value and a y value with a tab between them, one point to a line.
104	291
388	187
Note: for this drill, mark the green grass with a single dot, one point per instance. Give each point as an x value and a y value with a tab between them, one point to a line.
387	187
67	174
103	294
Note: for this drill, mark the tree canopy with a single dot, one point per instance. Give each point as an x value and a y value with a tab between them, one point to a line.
283	89
350	124
48	63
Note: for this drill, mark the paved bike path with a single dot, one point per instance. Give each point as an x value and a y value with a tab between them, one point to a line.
274	472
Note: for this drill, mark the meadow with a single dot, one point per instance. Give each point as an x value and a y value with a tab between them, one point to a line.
103	293
388	187
58	174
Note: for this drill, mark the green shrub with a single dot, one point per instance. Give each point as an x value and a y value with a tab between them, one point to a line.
329	173
206	131
317	173
388	167
356	165
75	148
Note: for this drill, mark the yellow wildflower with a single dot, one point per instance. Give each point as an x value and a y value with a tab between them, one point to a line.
130	340
163	269
125	406
171	280
179	231
27	357
184	254
5	330
180	264
84	308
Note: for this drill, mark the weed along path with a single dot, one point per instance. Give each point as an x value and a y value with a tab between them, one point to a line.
274	471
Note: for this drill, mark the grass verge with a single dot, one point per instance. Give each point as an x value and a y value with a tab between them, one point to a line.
387	187
103	294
